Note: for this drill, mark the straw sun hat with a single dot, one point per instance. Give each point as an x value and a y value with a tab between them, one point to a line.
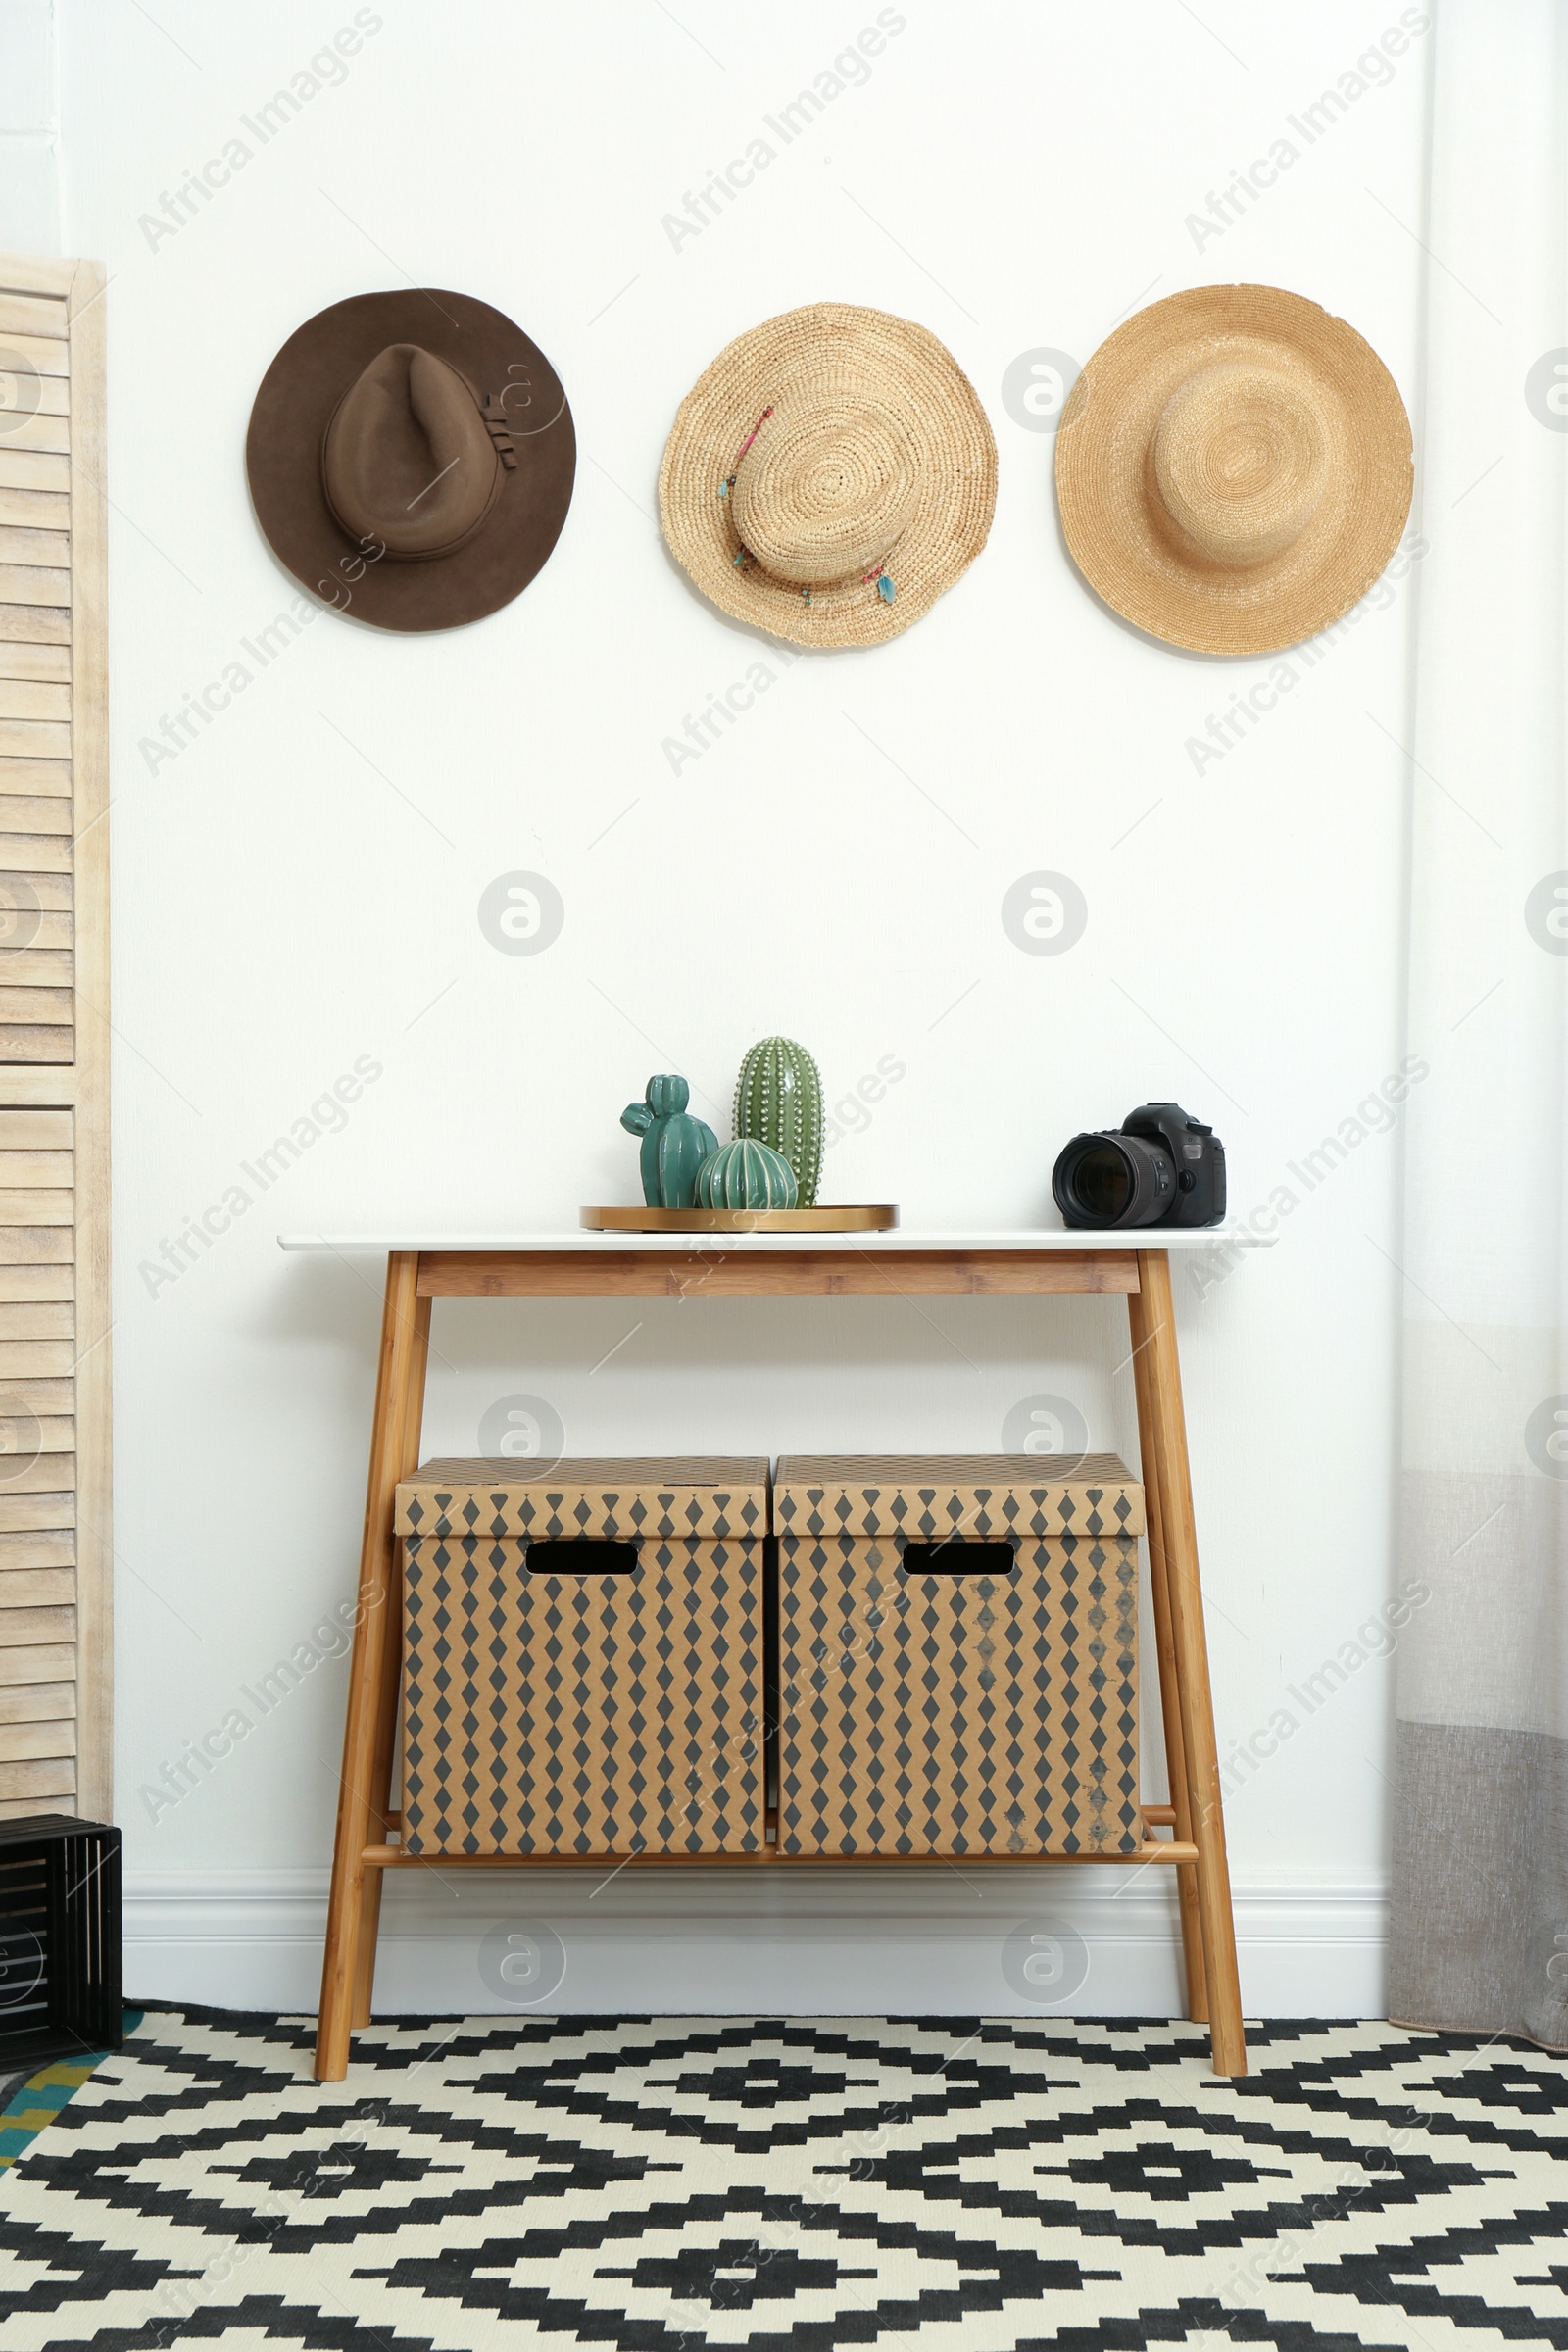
829	475
1234	470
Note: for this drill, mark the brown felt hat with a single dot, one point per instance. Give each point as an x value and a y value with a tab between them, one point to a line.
829	475
411	457
1234	468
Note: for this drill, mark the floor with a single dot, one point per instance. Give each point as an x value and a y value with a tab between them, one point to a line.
686	2182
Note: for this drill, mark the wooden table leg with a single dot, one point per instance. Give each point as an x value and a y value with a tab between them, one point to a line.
386	1724
1189	1654
372	1688
1165	1651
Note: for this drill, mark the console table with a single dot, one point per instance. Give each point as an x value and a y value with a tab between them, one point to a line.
898	1263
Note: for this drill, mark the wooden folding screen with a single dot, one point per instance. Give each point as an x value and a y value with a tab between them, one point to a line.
55	1548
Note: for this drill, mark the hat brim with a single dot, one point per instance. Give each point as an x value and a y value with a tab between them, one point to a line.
900	365
283	459
1103	472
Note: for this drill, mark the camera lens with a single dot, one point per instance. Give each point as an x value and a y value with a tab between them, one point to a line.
1107	1180
1102	1184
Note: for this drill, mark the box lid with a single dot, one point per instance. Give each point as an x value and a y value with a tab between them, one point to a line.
930	1496
479	1496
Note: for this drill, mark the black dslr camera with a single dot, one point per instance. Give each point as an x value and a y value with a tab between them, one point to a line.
1158	1169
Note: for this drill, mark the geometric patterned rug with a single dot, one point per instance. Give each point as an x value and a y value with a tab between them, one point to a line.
654	2183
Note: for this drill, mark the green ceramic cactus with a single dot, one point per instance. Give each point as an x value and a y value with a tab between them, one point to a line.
778	1099
746	1174
674	1143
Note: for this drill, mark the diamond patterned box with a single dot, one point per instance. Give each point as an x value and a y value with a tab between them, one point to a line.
958	1657
493	1497
583	1658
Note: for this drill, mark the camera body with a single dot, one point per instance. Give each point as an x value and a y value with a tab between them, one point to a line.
1159	1168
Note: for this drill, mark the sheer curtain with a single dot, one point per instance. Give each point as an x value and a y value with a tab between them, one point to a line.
1480	1920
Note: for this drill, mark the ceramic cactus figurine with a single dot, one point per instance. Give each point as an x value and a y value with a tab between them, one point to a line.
778	1099
746	1174
674	1143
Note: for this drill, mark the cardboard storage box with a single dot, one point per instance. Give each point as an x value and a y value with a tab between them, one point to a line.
583	1669
958	1657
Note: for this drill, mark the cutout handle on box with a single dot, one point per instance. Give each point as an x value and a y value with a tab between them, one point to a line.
582	1555
958	1555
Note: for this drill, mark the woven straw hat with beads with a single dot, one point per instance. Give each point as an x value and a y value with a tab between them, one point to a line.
1234	470
829	475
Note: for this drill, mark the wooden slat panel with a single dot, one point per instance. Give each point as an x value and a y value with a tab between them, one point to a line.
26	812
37	274
51	967
38	1205
33	697
20	545
56	1550
30	855
50	395
54	1433
40	1008
33	738
44	1663
45	779
38	1319
36	1285
26	1739
37	1779
53	1047
36	1245
35	509
51	1359
38	1702
20	1168
50	1474
37	1588
36	1045
89	620
40	430
30	469
22	1283
32	314
33	624
46	353
37	1007
37	1130
51	936
27	1628
53	893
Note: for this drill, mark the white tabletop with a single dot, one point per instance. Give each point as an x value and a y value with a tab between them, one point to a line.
869	1244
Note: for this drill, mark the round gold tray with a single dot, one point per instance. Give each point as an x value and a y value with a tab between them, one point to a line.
864	1217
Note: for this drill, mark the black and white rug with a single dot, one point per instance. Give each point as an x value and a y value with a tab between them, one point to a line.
654	2183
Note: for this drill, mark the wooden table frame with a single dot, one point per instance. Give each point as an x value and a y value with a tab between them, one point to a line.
366	1819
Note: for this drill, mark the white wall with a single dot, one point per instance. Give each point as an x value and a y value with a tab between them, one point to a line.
29	177
297	889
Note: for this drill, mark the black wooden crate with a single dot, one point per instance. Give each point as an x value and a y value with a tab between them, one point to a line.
60	1940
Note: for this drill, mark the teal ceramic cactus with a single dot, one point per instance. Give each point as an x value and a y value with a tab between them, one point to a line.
746	1174
778	1099
674	1144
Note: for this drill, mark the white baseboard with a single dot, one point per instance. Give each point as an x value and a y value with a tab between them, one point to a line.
817	1942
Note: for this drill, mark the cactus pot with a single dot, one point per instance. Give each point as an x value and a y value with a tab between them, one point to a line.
746	1174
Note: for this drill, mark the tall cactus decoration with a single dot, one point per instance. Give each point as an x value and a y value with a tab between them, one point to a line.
674	1143
778	1099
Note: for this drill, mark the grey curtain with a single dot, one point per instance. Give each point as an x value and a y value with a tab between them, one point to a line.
1480	1903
